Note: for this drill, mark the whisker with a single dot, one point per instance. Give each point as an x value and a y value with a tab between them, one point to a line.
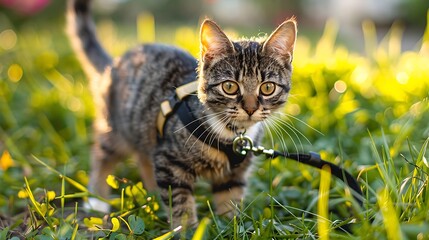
217	130
299	120
281	122
270	134
217	121
280	126
198	119
213	133
291	127
201	124
278	130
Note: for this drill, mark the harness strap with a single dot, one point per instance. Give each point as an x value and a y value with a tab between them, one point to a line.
168	106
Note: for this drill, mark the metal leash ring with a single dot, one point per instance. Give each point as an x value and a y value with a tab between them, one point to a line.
242	144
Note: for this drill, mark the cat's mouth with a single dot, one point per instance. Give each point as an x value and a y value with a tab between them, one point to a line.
240	127
235	129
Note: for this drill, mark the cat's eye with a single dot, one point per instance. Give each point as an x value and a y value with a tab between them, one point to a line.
230	87
267	88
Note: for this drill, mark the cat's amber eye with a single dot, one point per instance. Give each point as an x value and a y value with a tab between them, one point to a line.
268	88
230	87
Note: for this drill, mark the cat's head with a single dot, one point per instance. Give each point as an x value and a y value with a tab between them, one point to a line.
245	81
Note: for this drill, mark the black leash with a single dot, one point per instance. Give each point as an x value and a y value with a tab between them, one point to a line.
243	144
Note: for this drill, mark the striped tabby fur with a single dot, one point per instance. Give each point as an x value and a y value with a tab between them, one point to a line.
240	84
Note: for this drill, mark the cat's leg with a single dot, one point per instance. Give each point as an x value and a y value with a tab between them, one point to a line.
106	152
146	170
227	193
176	185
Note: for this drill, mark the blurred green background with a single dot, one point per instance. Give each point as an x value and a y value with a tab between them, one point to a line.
360	87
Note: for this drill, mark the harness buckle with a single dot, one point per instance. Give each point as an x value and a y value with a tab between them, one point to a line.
166	108
186	90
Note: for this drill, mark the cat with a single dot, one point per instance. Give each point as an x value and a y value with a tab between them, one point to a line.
240	84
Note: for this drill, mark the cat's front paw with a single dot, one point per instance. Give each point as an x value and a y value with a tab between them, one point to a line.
228	202
228	210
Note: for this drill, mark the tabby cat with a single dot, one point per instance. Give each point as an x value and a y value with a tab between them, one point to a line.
240	84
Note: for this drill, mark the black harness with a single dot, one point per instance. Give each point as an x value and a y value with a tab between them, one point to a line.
178	104
238	150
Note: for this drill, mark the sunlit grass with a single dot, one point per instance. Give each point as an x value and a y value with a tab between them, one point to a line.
371	108
390	218
322	205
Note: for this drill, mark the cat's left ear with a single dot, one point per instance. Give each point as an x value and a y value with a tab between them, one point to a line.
281	42
214	42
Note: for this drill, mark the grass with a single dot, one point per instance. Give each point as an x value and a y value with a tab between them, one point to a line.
367	112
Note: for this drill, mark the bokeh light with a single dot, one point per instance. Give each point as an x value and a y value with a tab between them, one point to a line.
15	72
8	39
340	86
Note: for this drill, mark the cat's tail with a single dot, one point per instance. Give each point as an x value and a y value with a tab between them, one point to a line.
81	30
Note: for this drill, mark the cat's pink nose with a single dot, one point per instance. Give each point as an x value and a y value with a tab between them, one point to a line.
250	104
250	112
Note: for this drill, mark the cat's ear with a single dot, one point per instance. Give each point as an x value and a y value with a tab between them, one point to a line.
214	42
281	42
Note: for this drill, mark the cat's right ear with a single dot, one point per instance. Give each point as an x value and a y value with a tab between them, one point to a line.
281	42
214	42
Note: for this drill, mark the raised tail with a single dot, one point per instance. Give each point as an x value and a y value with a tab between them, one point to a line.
81	30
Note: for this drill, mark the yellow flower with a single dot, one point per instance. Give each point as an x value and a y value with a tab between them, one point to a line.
6	161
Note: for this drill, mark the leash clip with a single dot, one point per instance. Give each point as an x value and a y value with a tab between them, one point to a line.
243	143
